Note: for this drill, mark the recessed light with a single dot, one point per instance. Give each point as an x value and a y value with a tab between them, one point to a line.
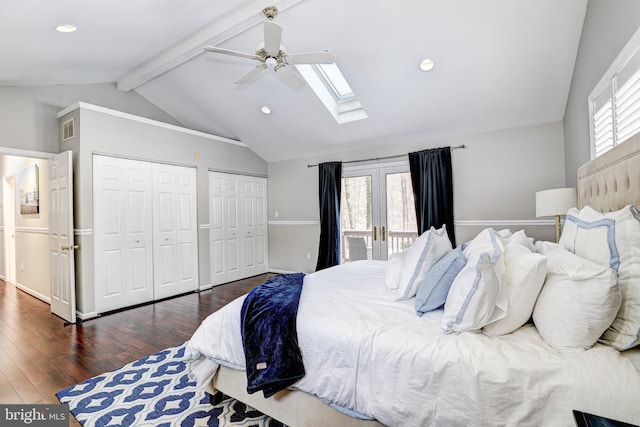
426	65
266	110
67	28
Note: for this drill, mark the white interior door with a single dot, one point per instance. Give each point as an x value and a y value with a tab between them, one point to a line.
175	234
123	230
254	226
61	244
225	237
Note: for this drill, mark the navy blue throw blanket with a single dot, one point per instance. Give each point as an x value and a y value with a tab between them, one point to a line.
269	335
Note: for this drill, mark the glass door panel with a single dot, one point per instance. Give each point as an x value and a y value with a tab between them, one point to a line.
401	226
356	218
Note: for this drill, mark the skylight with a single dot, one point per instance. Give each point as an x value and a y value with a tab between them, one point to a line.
330	85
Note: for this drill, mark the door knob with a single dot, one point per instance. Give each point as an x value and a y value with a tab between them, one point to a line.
69	248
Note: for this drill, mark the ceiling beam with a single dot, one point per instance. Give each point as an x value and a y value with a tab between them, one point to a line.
217	31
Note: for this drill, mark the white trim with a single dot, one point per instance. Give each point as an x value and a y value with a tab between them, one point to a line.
83	231
293	222
205	226
87	316
32	230
33	293
205	287
501	222
25	153
145	120
226	26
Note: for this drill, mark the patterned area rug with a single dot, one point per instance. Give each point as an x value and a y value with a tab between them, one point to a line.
155	391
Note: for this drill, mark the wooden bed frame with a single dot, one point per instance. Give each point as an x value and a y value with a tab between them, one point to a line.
607	183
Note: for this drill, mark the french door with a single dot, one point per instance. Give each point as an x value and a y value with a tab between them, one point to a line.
377	212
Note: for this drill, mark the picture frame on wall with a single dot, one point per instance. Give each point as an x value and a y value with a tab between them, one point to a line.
29	191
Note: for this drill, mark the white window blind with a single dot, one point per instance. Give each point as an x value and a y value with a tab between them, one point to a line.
614	104
628	99
603	122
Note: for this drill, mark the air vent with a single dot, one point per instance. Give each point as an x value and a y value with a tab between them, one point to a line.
68	129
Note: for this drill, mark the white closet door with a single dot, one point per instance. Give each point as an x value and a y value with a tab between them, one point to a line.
238	238
175	234
255	225
225	220
123	260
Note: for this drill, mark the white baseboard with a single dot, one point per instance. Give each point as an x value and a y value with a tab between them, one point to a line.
87	316
33	293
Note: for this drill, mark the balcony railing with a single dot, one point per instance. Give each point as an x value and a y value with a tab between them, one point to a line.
397	241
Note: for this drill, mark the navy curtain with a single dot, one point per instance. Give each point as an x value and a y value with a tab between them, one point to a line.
432	181
330	189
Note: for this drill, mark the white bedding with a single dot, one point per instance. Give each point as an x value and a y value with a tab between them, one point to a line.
368	353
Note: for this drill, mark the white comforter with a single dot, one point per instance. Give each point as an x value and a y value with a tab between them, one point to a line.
368	353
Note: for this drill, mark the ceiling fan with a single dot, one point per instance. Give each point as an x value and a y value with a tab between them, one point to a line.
271	54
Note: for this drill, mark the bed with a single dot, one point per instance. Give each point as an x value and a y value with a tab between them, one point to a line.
370	360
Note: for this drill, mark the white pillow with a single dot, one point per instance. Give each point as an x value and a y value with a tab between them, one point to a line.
478	295
526	272
612	240
421	256
394	270
578	301
521	238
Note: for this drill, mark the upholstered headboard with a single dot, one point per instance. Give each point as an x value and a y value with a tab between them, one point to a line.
612	181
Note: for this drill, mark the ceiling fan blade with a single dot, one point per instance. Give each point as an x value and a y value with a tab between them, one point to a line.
290	77
251	74
232	52
310	58
272	38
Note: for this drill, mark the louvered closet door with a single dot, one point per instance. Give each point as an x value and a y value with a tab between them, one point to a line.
175	235
123	261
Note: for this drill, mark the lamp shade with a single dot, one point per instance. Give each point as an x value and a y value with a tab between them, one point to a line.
556	201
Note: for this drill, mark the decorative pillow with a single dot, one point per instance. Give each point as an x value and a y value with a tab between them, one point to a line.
394	270
478	294
422	255
432	291
613	240
578	301
526	272
521	238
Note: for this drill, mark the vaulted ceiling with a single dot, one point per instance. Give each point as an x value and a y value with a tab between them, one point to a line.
498	64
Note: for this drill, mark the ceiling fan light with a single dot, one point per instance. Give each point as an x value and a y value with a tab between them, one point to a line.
271	62
426	64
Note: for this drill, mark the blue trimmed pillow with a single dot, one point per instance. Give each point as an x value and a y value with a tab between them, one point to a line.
611	240
433	290
421	256
478	295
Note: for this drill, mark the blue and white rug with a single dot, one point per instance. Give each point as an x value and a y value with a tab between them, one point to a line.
155	392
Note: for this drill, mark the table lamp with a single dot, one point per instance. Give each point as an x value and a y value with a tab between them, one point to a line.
556	202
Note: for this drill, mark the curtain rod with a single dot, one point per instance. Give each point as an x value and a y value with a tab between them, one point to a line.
385	158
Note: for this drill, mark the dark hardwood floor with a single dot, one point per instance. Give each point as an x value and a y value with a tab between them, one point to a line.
40	356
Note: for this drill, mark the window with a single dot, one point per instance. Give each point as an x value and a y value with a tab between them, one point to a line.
330	85
614	104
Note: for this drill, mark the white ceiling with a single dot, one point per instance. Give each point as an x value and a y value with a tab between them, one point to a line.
498	63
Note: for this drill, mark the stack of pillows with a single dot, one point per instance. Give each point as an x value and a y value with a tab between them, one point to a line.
584	289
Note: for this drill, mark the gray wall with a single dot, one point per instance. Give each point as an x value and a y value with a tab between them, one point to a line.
495	180
28	114
608	26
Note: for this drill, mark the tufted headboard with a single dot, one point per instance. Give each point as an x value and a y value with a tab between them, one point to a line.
612	181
